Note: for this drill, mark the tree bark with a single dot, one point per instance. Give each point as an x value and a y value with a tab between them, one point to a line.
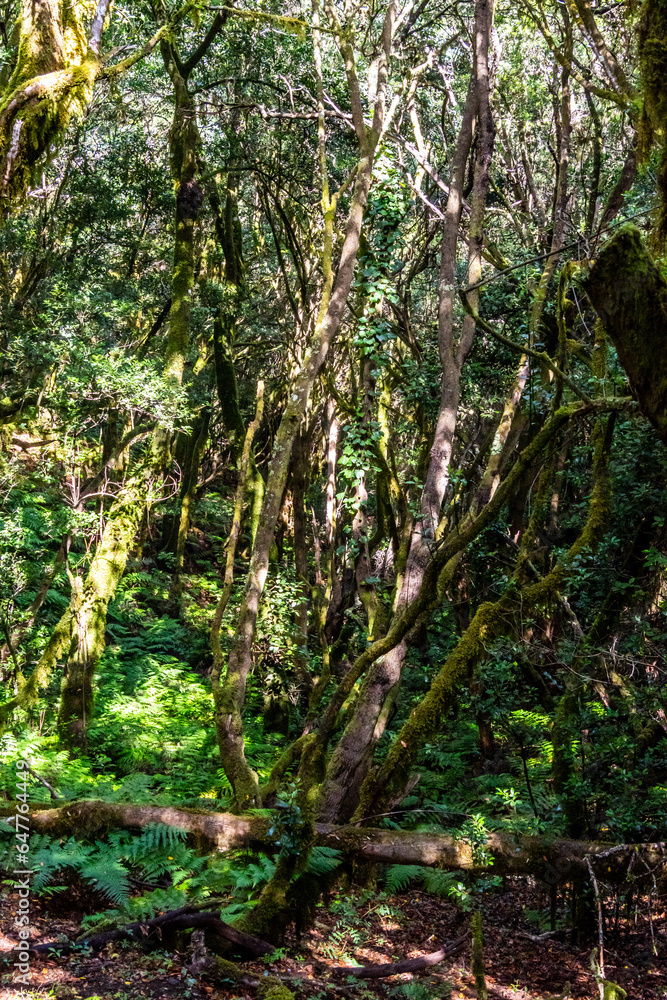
541	856
630	296
232	694
491	621
353	756
90	600
87	613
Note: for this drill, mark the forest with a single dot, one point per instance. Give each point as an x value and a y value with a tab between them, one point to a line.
333	476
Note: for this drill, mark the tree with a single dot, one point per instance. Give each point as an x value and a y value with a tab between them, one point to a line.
330	360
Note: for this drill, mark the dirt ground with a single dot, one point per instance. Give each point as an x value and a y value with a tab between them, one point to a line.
358	927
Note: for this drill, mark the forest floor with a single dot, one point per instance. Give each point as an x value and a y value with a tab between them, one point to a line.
358	927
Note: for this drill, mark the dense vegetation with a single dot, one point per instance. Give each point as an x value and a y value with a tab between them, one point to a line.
333	469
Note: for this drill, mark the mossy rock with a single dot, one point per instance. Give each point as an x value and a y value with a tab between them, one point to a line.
221	969
271	988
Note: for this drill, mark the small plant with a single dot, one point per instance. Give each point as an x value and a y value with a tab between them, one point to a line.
275	956
414	989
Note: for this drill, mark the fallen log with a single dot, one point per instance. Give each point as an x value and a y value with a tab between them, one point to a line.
408	965
142	930
549	859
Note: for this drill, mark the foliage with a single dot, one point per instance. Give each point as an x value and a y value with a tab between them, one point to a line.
191	211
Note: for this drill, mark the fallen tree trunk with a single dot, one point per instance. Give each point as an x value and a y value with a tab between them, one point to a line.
547	858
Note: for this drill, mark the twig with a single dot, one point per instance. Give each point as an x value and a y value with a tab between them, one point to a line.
522	348
54	794
598	900
551	253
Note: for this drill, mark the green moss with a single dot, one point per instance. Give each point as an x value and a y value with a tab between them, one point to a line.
630	297
270	917
31	124
221	968
492	621
271	988
652	36
478	955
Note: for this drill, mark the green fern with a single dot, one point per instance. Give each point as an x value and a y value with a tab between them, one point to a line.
434	880
159	835
399	877
323	861
108	876
438	882
110	865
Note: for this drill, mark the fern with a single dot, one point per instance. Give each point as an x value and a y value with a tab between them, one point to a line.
110	865
323	861
159	835
434	880
253	875
438	882
399	877
135	788
108	876
137	908
237	909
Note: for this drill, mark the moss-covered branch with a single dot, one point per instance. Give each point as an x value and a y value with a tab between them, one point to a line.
491	621
53	79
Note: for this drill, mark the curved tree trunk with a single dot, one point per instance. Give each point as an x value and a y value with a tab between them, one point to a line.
55	68
491	621
630	297
53	77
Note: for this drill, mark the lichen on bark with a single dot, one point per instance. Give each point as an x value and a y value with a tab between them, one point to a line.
630	297
491	621
53	77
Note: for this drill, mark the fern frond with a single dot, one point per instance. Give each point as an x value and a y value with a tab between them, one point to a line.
438	882
399	877
323	860
109	877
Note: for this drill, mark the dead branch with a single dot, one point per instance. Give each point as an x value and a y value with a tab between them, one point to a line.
408	965
143	930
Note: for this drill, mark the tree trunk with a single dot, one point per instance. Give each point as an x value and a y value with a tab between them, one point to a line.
50	82
88	608
232	692
541	856
87	613
630	297
353	756
491	621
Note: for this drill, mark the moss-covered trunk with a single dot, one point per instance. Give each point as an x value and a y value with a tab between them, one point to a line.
90	600
197	443
54	72
88	610
353	756
491	621
232	693
55	63
630	297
